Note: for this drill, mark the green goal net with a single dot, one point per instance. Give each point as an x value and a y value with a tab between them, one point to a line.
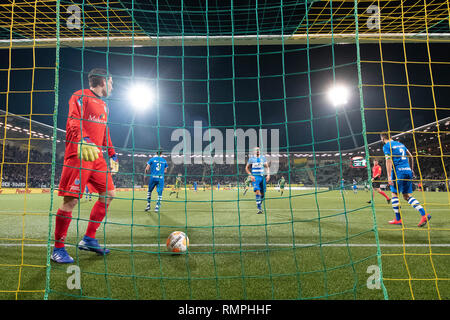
201	85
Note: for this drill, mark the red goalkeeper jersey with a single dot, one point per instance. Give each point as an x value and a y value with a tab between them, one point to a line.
376	171
88	116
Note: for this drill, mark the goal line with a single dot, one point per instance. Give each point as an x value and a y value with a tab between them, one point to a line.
125	245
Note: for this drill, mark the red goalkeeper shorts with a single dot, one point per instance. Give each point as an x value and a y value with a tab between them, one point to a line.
74	179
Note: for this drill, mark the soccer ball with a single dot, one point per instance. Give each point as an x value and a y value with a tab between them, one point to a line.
177	242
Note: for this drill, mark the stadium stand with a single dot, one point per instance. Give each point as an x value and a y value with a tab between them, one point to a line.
27	158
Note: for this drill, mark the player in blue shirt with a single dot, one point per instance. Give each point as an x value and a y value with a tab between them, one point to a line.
258	163
400	175
195	186
157	167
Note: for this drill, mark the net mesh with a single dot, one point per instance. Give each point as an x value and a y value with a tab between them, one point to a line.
226	76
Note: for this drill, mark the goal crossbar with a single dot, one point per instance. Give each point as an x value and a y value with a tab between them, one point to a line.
299	39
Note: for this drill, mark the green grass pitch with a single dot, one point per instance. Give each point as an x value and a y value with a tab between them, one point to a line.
306	246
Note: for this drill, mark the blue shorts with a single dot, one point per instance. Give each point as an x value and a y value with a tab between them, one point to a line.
156	182
403	182
259	184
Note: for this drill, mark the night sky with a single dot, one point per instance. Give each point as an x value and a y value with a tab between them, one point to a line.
298	106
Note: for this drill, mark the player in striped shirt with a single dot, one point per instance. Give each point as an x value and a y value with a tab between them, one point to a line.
258	163
400	175
355	186
376	177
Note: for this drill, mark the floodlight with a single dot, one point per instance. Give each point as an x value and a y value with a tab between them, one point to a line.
141	96
338	95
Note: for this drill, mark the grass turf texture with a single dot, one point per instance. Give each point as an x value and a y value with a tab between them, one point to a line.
319	250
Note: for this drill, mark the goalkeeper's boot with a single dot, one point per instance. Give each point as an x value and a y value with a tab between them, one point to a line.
157	209
91	244
395	221
424	220
60	255
147	208
259	211
388	201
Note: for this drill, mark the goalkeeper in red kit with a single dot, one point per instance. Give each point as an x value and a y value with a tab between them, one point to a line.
87	134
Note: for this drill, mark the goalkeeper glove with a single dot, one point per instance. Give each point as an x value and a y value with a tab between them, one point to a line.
87	150
114	164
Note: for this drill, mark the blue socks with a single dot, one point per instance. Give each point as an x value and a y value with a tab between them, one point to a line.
412	201
396	208
158	203
258	201
149	197
416	205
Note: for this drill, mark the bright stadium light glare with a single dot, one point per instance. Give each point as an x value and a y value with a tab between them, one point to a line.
338	95
141	96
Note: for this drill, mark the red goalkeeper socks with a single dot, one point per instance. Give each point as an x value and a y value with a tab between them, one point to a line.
63	219
384	194
97	214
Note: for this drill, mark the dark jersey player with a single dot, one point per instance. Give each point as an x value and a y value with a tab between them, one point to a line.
376	177
87	134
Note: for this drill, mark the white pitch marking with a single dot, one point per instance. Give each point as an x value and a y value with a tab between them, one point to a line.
299	245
